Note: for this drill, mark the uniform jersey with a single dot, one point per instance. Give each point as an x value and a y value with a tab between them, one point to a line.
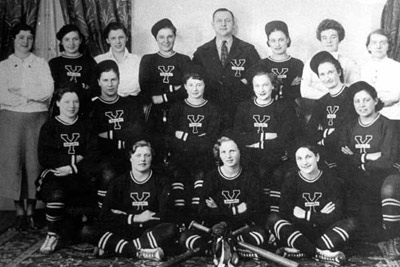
131	197
228	193
80	70
160	75
121	119
329	117
200	125
312	196
60	142
377	136
225	84
286	70
253	121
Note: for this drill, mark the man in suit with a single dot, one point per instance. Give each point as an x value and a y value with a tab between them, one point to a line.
226	59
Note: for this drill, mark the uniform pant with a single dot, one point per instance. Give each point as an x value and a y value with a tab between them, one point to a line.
307	237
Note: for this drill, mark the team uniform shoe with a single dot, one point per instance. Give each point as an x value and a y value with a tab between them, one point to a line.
336	258
247	254
390	249
291	253
50	244
155	254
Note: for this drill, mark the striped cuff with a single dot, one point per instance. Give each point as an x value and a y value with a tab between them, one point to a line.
164	97
110	135
308	215
185	136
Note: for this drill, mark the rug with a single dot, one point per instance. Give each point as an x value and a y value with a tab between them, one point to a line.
20	249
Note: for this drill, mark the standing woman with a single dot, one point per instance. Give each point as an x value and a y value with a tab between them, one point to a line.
161	81
25	89
73	65
370	147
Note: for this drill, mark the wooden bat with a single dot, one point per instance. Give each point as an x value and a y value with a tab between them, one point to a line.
268	255
259	251
180	258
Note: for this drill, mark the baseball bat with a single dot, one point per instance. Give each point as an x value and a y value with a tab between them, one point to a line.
268	255
180	258
259	251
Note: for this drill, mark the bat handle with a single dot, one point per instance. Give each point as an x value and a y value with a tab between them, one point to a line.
198	226
240	230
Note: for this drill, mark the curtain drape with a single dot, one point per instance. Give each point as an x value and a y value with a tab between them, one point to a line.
390	22
92	16
13	12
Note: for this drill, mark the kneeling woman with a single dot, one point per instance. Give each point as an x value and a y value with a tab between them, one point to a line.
310	221
132	220
64	142
370	147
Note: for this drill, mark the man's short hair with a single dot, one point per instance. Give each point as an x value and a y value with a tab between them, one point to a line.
330	24
223	9
113	26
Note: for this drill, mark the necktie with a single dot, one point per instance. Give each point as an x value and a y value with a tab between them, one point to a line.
224	53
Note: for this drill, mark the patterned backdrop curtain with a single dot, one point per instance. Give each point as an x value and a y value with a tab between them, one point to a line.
390	22
13	12
92	16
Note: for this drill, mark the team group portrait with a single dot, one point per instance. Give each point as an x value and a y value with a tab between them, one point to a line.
200	133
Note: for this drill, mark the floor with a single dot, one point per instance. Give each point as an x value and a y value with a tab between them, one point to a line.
21	249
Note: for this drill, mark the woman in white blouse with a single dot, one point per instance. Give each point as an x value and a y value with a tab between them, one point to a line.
26	86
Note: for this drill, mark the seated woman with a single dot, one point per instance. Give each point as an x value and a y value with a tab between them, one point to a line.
74	65
370	147
230	194
267	128
193	127
331	111
134	214
311	221
64	142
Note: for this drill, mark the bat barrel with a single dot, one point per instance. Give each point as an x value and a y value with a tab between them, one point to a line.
268	255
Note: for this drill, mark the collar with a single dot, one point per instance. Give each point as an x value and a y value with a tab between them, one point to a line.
335	55
17	60
229	42
126	53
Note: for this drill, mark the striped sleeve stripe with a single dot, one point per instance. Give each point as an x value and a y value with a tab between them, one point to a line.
178	186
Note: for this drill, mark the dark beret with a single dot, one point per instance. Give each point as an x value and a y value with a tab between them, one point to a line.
276	25
66	29
161	24
319	57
